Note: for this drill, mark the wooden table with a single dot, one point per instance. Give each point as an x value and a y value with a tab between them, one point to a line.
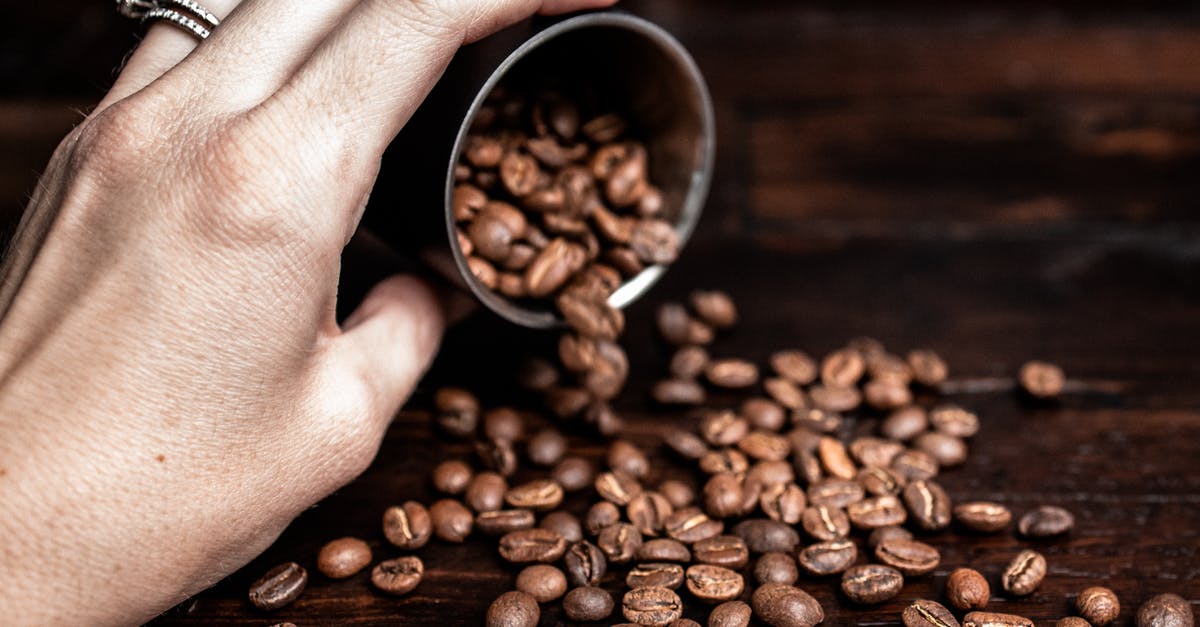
995	182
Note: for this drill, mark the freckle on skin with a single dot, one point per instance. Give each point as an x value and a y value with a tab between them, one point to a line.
160	458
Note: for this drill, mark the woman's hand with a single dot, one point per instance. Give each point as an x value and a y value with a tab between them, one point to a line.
174	388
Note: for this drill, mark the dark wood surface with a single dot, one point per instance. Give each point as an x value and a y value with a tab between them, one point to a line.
997	182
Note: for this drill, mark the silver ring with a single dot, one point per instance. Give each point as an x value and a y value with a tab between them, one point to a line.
186	14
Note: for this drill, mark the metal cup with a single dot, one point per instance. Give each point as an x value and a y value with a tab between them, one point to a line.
636	64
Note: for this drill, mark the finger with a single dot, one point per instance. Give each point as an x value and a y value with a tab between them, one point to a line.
388	342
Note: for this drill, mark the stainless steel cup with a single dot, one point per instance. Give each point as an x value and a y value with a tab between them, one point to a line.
632	61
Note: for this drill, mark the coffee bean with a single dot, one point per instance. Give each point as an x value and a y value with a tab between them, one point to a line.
565	402
905	423
483	272
585	564
599	516
842	368
763	535
532	545
785	392
879	511
835	492
564	524
1099	605
1041	379
663	550
620	542
868	451
343	557
678	392
794	365
834	398
827	558
910	557
776	567
502	521
685	443
503	423
672	320
730	614
486	491
452	522
817	419
881	481
923	613
458	411
498	455
494	229
825	523
724	460
662	574
627	181
655	241
677	493
542	581
782	605
483	152
617	487
914	465
1045	522
967	589
765	446
728	551
763	413
713	583
651	605
466	201
723	495
688	362
927	367
715	308
648	511
784	502
768	473
451	476
835	459
591	317
278	587
886	533
573	474
587	603
954	421
514	609
886	394
928	504
1024	573
947	450
625	456
983	516
731	373
407	526
539	495
888	367
1165	610
398	576
869	584
993	619
1072	621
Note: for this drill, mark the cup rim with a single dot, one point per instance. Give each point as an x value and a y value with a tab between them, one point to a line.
697	189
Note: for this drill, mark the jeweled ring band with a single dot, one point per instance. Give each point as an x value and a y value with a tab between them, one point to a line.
186	14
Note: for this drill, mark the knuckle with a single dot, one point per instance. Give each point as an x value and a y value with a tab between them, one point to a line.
115	144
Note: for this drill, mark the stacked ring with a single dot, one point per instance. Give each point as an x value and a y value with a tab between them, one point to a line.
186	14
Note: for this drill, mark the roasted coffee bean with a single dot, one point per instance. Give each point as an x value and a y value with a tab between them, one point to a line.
868	451
730	614
723	495
617	487
661	574
1099	605
752	488
625	456
606	378
994	619
1045	522
928	368
763	413
881	481
782	605
503	423
835	492
723	428
1072	621
712	584
1041	379
823	522
343	557
600	415
769	473
398	576
487	276
678	392
834	398
945	449
466	201
869	584
532	545
452	522
1165	610
565	402
552	267
887	394
279	586
498	455
954	421
685	443
794	365
585	564
763	535
923	613
593	318
407	526
835	459
648	512
458	411
452	476
877	536
519	173
627	181
677	493
765	446
776	567
652	605
724	460
543	582
547	447
502	521
494	229
689	525
967	589
889	367
910	557
539	495
514	609
817	420
875	512
905	423
688	362
715	308
672	319
563	523
842	368
784	502
914	465
620	542
486	492
483	152
725	550
785	392
928	504
574	473
655	241
599	516
663	550
587	603
983	516
1024	573
827	558
731	373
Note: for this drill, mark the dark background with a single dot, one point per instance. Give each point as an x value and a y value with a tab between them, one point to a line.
997	181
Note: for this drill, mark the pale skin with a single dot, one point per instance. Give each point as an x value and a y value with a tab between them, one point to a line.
174	387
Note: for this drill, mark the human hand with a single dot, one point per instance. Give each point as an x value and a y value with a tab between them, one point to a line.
174	388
